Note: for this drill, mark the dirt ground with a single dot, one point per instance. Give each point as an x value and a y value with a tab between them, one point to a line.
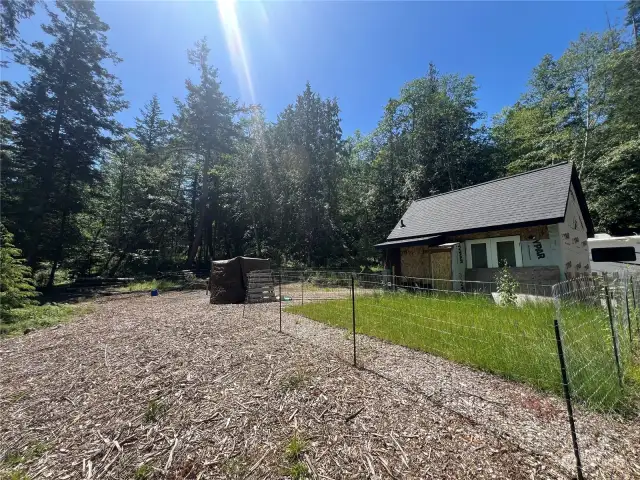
173	387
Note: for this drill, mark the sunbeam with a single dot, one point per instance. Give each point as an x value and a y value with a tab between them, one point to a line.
229	18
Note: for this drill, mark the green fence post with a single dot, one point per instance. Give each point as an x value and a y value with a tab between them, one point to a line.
280	298
353	316
567	397
626	300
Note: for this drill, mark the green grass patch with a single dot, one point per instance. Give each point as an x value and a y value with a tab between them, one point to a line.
32	452
516	342
293	452
155	410
293	381
310	287
143	472
148	285
19	474
33	317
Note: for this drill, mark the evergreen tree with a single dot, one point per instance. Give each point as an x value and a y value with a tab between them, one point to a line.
428	143
309	152
11	13
64	121
633	18
208	128
16	282
151	130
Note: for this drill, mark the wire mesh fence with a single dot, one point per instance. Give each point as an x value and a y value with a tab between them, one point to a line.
578	339
598	323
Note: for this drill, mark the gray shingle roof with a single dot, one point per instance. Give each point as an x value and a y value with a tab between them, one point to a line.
417	241
528	197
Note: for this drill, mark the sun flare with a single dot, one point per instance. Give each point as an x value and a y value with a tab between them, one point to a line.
228	14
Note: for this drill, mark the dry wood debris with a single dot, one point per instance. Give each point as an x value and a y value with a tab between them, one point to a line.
173	387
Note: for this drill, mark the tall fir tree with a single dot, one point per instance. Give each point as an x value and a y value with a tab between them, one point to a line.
206	119
151	130
64	121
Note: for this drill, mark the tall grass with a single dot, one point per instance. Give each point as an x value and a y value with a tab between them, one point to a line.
516	342
32	317
148	285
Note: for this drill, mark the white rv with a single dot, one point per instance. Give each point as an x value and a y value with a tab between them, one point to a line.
609	254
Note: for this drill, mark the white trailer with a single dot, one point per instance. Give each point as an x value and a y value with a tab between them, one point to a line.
609	254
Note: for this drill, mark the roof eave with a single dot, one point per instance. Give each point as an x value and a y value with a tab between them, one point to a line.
534	223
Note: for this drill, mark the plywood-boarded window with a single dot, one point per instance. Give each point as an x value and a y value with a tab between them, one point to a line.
415	262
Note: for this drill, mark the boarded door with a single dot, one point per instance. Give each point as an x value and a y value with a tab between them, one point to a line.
441	269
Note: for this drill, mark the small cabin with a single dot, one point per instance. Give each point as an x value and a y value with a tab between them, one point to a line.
537	223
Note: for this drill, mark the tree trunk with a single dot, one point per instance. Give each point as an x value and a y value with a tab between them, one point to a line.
59	248
209	240
204	199
106	264
114	269
61	232
214	237
194	198
92	248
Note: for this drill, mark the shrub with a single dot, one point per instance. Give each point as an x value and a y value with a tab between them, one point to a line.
16	282
507	286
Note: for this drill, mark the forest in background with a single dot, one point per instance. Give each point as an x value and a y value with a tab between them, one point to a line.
85	195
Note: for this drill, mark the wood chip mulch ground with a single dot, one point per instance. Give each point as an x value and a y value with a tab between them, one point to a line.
173	387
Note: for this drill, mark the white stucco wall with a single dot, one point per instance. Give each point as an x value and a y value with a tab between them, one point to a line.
574	250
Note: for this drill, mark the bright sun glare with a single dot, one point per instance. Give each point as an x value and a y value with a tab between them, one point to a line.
229	19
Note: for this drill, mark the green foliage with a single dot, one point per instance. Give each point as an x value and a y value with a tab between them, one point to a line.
41	275
151	130
426	143
155	410
298	471
206	122
15	458
507	287
16	283
12	12
294	450
143	472
18	474
146	286
64	120
583	107
294	381
34	317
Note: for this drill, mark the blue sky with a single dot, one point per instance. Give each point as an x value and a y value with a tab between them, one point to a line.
360	52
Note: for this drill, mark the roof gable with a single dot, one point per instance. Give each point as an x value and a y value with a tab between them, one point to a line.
534	197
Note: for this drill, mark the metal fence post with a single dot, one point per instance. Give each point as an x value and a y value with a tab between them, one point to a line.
280	298
626	299
393	278
613	334
302	287
353	316
567	397
635	306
